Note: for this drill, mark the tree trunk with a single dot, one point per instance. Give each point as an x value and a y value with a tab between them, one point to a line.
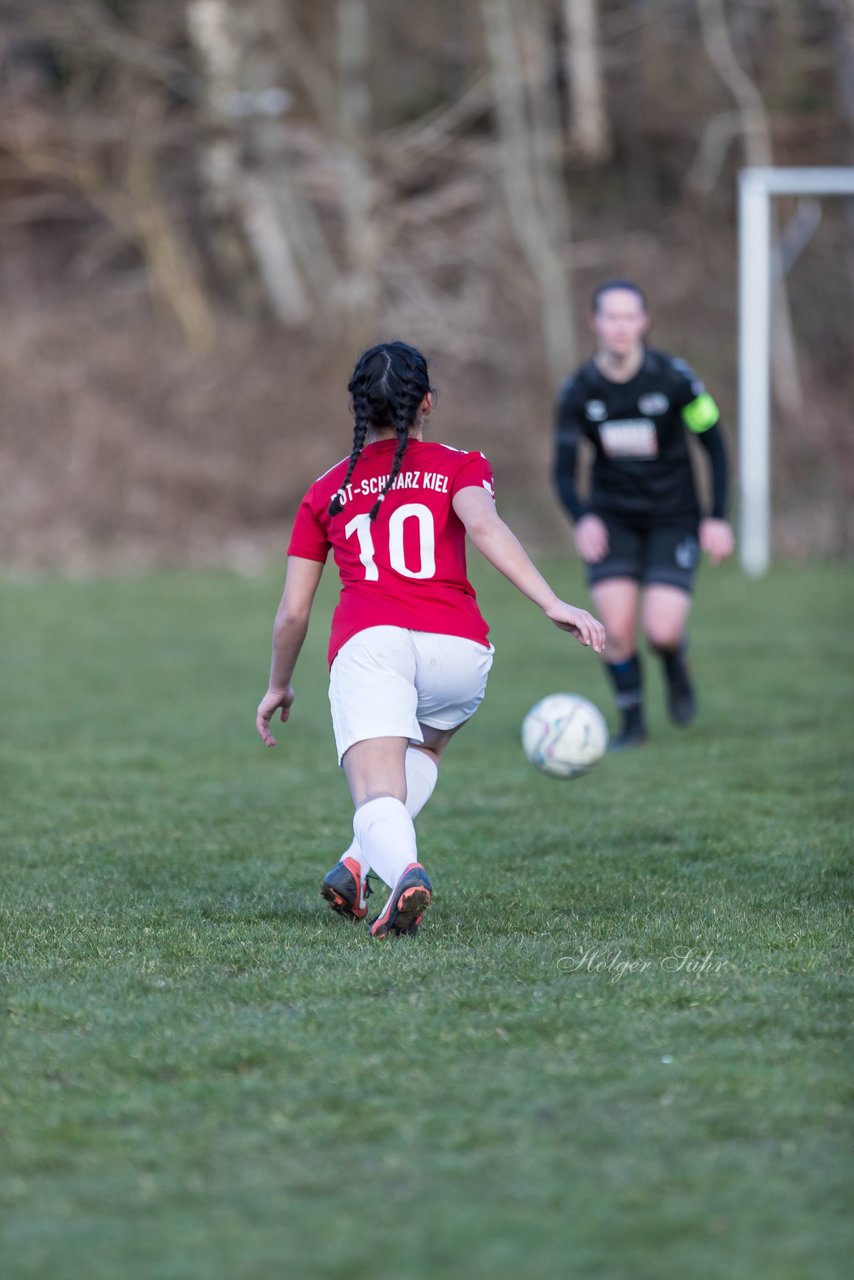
589	127
297	229
531	187
240	194
207	25
358	203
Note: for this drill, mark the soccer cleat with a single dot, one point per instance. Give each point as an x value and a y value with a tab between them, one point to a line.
632	732
345	890
681	698
406	905
636	736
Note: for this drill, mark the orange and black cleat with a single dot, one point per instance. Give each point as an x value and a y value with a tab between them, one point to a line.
406	906
346	891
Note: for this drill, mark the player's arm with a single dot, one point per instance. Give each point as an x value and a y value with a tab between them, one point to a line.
702	417
590	532
289	632
716	535
714	445
568	433
499	545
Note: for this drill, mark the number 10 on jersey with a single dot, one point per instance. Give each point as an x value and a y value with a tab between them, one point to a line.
365	531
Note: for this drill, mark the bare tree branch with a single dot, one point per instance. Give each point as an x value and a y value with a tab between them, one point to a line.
120	182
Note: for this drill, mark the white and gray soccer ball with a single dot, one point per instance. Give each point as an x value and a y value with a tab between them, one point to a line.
564	735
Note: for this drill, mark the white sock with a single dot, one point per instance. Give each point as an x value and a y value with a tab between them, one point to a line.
422	774
386	837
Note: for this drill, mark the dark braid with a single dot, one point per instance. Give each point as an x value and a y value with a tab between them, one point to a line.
404	411
360	430
388	385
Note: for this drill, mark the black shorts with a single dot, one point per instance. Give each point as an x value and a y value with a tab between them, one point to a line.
664	553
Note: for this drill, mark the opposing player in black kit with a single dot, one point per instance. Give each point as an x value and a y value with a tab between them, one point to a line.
642	532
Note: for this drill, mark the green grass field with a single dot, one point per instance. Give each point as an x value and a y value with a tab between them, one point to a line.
207	1076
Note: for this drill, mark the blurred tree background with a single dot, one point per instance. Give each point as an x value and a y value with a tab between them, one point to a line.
207	207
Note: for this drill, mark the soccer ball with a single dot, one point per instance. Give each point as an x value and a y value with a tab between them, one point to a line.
564	735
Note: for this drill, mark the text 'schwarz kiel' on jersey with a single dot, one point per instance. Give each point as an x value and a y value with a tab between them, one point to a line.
407	568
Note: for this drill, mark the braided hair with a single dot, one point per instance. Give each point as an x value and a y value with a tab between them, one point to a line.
387	387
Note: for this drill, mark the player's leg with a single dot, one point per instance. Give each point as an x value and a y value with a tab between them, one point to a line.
447	681
672	555
376	774
616	601
422	771
372	698
614	583
665	614
450	682
434	743
412	889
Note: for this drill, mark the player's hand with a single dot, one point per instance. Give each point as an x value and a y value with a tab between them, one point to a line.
273	699
716	539
586	629
591	539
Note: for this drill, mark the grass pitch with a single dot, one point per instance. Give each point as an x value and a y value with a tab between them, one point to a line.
615	1052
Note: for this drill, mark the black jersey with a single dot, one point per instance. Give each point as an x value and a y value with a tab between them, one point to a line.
639	431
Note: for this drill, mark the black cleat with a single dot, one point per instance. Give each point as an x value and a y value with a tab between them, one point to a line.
636	736
632	731
681	698
406	905
345	890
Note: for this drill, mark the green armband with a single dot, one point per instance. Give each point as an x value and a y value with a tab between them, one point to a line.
701	413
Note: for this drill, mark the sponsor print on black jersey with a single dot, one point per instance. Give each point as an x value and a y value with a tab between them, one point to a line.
640	431
636	438
596	410
653	402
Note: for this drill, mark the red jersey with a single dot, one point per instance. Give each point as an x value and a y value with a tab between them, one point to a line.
407	568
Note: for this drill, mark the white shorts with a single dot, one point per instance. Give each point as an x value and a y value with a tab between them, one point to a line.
386	681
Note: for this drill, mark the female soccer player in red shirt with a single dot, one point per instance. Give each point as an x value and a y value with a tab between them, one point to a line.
408	653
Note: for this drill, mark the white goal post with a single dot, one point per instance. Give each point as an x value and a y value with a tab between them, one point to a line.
756	267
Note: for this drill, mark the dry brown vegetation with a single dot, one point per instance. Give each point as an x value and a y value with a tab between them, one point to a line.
167	396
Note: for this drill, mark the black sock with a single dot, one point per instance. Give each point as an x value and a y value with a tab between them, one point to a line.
673	660
627	679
